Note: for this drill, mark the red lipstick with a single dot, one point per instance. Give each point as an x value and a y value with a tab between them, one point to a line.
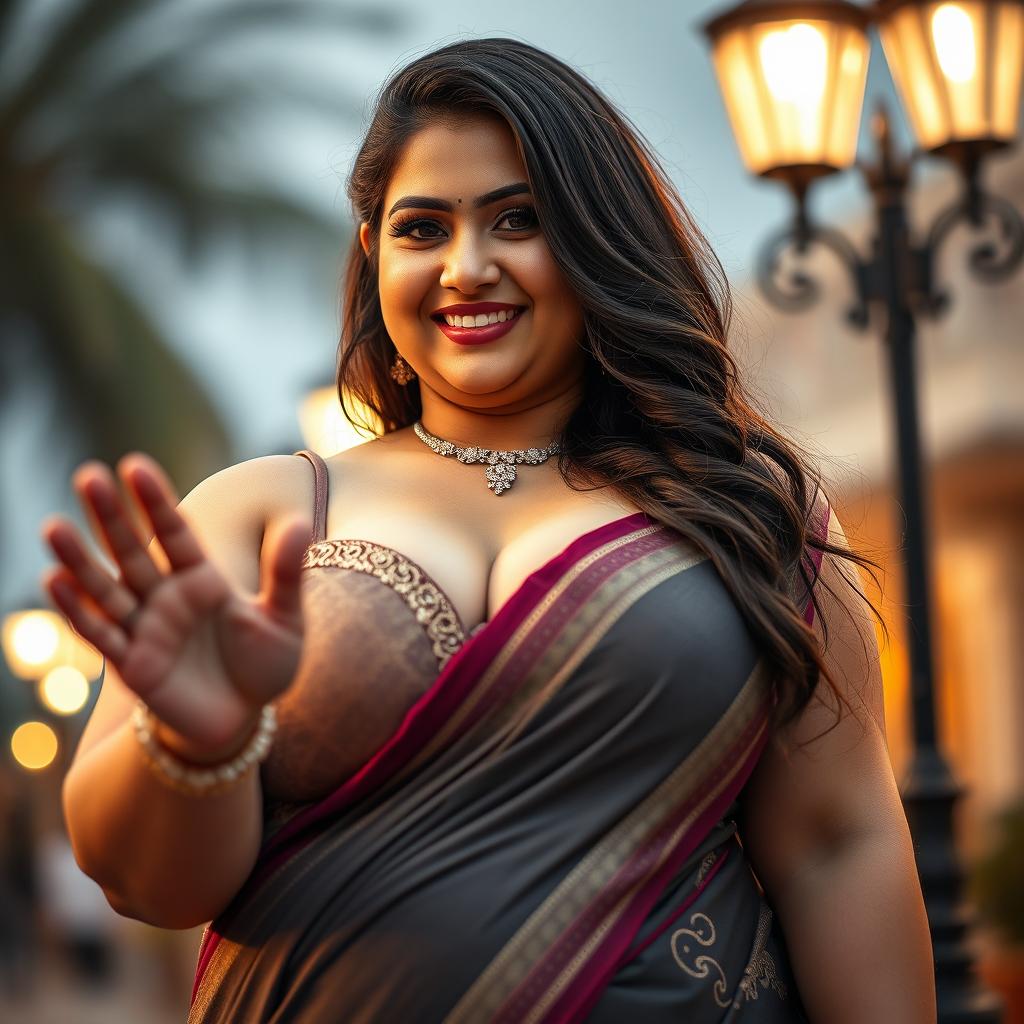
476	335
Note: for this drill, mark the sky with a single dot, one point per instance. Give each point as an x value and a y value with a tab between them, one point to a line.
260	351
260	343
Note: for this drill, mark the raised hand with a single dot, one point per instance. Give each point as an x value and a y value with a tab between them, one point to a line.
204	655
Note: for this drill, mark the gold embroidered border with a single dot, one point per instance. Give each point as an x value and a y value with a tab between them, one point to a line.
425	599
528	946
615	595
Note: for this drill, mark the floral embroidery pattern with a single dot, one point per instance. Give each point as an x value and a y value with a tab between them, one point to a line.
424	597
761	968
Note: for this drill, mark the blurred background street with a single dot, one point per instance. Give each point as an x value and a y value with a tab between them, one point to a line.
172	229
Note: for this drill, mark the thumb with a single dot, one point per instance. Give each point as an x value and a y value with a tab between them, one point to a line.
281	568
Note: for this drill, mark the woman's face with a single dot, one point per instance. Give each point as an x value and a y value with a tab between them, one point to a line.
446	239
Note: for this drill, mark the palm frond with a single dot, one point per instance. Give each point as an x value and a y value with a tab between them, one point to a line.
91	39
76	32
113	369
151	102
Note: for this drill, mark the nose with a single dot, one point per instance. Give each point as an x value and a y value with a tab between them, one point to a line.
468	264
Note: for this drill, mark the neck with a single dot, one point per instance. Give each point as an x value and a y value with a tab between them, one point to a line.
503	429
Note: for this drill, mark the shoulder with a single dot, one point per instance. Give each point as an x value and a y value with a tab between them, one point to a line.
229	510
252	489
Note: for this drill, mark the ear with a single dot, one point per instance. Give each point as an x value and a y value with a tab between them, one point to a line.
364	237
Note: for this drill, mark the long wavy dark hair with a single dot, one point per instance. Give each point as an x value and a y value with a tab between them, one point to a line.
668	423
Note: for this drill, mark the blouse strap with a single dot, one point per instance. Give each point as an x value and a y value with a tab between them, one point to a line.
820	530
319	493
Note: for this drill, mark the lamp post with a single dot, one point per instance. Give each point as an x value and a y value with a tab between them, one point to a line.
792	76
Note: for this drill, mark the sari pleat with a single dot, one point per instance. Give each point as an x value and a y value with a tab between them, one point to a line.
534	840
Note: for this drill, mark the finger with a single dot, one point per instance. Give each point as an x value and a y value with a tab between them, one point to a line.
110	640
281	569
154	491
107	593
100	497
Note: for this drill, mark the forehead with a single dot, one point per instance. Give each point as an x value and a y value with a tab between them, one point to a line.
457	159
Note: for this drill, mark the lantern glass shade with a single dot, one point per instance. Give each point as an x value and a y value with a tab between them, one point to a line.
793	86
957	67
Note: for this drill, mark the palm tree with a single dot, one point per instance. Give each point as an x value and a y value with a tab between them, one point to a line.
120	98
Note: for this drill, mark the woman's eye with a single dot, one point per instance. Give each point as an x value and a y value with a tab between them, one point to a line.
526	217
521	213
403	228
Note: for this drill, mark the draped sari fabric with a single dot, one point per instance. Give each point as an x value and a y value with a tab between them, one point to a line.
548	836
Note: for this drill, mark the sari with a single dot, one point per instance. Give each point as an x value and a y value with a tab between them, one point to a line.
549	835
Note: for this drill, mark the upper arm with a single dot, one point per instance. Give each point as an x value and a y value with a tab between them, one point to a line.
228	512
821	784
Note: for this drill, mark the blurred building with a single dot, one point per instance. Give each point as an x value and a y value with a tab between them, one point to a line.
830	384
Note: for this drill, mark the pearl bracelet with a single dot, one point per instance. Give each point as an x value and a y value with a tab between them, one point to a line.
200	781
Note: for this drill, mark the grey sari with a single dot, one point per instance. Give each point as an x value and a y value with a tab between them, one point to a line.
549	835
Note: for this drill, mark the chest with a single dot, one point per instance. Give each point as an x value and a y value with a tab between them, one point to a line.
477	547
407	571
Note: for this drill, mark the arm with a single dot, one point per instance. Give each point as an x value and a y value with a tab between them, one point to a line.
167	858
826	833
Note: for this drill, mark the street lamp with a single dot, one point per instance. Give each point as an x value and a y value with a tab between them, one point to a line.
792	76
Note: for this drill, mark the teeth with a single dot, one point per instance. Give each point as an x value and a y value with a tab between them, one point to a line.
481	319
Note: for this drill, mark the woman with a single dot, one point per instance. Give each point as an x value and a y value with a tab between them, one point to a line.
558	738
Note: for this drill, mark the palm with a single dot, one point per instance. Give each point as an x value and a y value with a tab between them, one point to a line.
201	653
204	666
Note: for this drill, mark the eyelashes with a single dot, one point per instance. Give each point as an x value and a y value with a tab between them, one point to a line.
403	228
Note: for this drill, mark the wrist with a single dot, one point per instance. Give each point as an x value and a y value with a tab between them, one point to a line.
204	754
207	776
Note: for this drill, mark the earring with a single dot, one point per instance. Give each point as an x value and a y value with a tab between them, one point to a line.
401	371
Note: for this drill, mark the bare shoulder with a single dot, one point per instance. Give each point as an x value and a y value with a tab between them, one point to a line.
230	509
249	487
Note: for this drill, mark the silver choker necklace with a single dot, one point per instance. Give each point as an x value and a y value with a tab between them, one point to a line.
501	466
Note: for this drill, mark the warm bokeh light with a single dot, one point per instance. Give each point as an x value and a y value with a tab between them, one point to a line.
793	87
325	429
794	61
37	640
31	641
34	745
953	37
957	66
64	690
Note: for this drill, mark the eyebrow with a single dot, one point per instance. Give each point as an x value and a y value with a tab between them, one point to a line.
432	203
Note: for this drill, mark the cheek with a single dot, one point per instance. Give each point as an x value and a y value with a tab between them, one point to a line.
403	282
536	271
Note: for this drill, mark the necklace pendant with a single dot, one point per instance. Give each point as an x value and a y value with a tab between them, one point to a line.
501	476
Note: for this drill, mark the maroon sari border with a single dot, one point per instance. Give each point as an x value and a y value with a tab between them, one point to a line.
595	975
454	684
634	951
448	691
206	947
534	646
583	993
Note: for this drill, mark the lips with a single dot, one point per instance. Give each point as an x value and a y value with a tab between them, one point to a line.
476	335
473	308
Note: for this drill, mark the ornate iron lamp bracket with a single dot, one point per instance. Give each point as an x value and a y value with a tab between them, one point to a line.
796	290
990	261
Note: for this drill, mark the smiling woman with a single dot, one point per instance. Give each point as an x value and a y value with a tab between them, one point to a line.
577	748
481	244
